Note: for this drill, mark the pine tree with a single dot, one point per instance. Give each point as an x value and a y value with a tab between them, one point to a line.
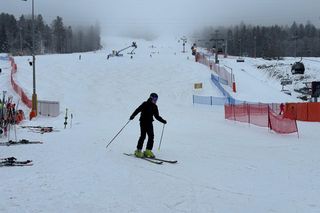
4	47
59	35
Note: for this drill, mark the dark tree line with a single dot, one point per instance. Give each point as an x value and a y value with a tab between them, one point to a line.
264	41
16	36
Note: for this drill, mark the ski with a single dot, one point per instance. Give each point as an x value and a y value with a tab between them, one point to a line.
12	161
147	159
36	127
40	129
164	160
18	163
43	130
23	141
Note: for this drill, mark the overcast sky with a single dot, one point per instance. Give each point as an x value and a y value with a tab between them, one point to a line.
168	15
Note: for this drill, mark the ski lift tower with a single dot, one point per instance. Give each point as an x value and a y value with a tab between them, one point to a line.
315	90
295	38
240	59
217	43
184	41
34	94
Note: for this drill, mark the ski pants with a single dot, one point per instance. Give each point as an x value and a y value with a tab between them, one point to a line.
146	128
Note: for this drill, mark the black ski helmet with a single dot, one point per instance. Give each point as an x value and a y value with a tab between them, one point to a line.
154	96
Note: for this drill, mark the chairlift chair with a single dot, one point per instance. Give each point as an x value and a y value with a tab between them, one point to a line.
285	91
286	81
240	59
298	68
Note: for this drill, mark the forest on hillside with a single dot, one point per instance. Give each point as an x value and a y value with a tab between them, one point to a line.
16	36
297	40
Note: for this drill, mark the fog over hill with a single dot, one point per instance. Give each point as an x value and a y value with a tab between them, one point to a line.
157	17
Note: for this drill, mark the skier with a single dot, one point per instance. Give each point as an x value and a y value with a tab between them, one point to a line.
148	109
194	49
281	109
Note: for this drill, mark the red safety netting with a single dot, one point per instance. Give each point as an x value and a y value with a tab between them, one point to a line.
282	125
303	111
260	115
241	113
221	71
17	88
200	57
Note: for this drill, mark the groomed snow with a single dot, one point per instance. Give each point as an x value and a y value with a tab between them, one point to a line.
223	166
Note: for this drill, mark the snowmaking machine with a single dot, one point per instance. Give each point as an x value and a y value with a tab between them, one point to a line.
117	53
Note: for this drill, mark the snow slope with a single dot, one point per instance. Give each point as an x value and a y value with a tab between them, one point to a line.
271	73
223	166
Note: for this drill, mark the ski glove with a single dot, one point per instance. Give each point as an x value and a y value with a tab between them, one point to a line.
131	117
164	121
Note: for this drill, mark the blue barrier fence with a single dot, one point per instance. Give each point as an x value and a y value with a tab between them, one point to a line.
216	81
227	99
210	100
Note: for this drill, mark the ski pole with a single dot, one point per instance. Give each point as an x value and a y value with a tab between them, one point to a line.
71	120
117	134
66	118
161	136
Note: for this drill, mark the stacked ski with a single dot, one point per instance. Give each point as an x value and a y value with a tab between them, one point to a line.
153	160
23	141
12	161
40	129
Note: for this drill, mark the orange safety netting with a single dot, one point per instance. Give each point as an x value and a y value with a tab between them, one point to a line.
303	111
260	115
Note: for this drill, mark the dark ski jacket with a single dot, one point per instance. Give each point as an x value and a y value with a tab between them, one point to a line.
148	110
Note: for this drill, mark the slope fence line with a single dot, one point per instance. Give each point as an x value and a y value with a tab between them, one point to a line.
226	77
16	87
210	100
309	111
261	115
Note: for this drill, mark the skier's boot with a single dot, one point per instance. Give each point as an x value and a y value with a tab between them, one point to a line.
148	154
138	153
